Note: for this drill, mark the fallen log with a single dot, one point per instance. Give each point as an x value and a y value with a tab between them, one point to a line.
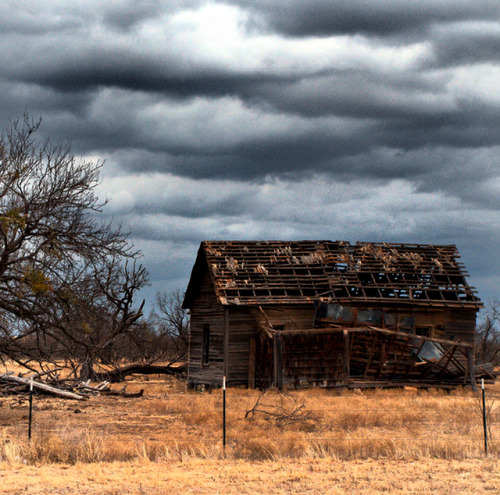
123	393
42	386
85	387
118	374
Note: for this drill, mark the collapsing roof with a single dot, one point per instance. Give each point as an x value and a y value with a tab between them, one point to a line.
279	272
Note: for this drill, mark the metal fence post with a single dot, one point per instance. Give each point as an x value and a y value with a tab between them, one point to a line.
30	418
224	413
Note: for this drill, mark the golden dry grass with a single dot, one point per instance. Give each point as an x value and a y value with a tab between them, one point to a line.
208	476
171	432
169	423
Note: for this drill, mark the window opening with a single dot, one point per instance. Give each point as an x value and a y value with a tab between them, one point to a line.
205	344
423	331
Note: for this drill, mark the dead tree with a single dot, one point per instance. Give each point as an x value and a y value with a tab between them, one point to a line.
169	326
67	282
488	335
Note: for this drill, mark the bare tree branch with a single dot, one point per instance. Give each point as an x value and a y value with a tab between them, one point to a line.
67	282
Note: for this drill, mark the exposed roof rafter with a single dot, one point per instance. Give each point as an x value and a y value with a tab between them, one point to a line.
282	272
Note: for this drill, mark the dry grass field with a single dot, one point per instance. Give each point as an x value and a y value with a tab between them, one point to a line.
378	441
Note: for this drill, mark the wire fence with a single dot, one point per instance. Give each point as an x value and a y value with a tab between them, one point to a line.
249	424
466	419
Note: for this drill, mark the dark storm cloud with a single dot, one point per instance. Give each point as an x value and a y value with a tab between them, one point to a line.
400	114
379	17
344	149
32	18
468	44
192	207
127	14
357	120
16	97
122	70
474	124
283	154
354	93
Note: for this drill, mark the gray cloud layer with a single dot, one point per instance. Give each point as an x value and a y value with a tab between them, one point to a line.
382	17
268	119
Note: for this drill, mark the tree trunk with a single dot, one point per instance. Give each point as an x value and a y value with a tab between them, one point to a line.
119	374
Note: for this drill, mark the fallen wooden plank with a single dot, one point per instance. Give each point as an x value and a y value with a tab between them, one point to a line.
42	386
84	387
371	328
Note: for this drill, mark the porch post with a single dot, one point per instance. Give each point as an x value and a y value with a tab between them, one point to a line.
472	375
278	361
251	363
347	369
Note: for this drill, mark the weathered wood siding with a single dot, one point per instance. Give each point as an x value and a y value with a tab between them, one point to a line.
206	310
313	359
450	324
242	327
293	317
244	324
460	324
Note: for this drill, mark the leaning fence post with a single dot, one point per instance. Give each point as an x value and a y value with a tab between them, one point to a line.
224	413
30	417
485	426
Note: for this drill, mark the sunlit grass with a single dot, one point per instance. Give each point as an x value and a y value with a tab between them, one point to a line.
171	423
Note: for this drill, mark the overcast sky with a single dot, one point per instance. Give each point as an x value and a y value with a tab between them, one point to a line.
300	119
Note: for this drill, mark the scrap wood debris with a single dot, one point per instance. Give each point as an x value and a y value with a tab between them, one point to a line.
13	385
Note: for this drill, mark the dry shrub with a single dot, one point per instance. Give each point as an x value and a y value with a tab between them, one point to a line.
283	410
68	447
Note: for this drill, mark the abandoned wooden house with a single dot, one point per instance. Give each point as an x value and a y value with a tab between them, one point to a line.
330	314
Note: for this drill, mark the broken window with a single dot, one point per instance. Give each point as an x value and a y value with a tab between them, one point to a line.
335	312
370	316
406	323
391	319
423	331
